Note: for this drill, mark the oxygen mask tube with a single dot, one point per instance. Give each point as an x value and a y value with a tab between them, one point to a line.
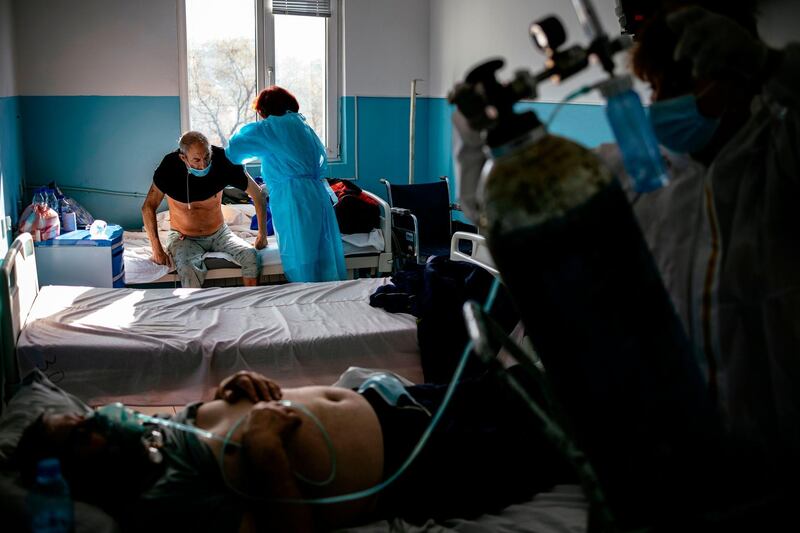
568	98
423	440
305	410
118	413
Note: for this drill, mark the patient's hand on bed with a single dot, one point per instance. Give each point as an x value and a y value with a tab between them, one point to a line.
261	241
246	384
160	257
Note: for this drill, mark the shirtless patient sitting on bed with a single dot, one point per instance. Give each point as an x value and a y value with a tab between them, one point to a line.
192	178
486	453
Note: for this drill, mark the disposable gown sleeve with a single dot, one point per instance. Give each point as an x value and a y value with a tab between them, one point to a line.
323	156
247	143
783	88
470	160
784	85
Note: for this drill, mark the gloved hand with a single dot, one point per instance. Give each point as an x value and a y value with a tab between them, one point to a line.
716	45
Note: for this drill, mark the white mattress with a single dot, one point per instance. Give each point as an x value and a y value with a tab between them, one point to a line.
139	268
172	346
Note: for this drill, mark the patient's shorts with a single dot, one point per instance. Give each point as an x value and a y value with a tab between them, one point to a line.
187	254
487	451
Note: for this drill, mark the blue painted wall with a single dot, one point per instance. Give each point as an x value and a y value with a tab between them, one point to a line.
382	137
12	168
116	142
100	142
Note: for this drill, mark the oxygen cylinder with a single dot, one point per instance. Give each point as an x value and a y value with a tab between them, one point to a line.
571	255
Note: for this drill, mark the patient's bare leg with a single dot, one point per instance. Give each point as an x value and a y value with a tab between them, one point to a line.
249	282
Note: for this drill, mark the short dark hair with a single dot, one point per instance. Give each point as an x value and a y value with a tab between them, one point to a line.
276	101
109	482
33	446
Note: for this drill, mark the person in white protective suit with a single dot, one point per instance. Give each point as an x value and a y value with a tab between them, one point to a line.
725	232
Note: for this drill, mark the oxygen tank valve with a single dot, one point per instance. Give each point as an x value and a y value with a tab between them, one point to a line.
488	105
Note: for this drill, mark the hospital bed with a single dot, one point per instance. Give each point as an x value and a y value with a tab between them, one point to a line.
364	252
171	346
80	338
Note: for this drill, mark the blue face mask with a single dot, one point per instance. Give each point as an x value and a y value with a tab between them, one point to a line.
679	126
199	173
392	390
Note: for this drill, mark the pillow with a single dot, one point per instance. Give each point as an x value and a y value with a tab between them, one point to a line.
13	496
36	394
162	220
238	214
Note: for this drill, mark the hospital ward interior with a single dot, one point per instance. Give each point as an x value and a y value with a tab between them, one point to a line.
522	266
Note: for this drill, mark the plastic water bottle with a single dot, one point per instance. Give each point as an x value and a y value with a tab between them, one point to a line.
39	199
98	229
67	215
634	135
39	213
52	201
48	504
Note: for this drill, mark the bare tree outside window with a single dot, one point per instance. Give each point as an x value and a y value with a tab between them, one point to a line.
221	87
221	61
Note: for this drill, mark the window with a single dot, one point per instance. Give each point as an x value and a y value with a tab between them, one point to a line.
231	49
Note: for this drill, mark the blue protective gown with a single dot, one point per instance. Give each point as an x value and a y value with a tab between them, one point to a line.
294	165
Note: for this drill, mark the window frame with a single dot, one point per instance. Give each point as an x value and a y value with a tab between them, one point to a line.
265	66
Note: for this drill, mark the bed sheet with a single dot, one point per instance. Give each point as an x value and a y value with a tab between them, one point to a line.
561	510
172	346
139	268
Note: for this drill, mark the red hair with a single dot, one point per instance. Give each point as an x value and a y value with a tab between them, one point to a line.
275	101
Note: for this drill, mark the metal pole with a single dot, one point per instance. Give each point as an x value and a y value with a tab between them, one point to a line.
411	135
588	19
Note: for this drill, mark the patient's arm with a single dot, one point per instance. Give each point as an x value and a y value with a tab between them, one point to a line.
246	384
151	203
261	211
269	475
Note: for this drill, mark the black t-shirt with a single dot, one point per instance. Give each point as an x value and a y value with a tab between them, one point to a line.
173	179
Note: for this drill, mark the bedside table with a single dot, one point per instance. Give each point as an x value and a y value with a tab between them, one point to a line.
75	259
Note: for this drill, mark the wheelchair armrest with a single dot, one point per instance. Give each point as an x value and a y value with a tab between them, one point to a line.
406	229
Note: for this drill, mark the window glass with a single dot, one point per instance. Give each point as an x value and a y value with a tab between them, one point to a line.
221	63
300	52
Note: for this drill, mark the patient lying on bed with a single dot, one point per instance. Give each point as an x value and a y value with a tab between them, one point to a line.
193	178
311	442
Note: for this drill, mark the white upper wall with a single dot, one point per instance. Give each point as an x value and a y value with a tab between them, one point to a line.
465	33
124	47
779	21
96	47
8	86
386	45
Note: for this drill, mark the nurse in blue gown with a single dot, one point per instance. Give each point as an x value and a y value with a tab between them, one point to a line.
293	165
